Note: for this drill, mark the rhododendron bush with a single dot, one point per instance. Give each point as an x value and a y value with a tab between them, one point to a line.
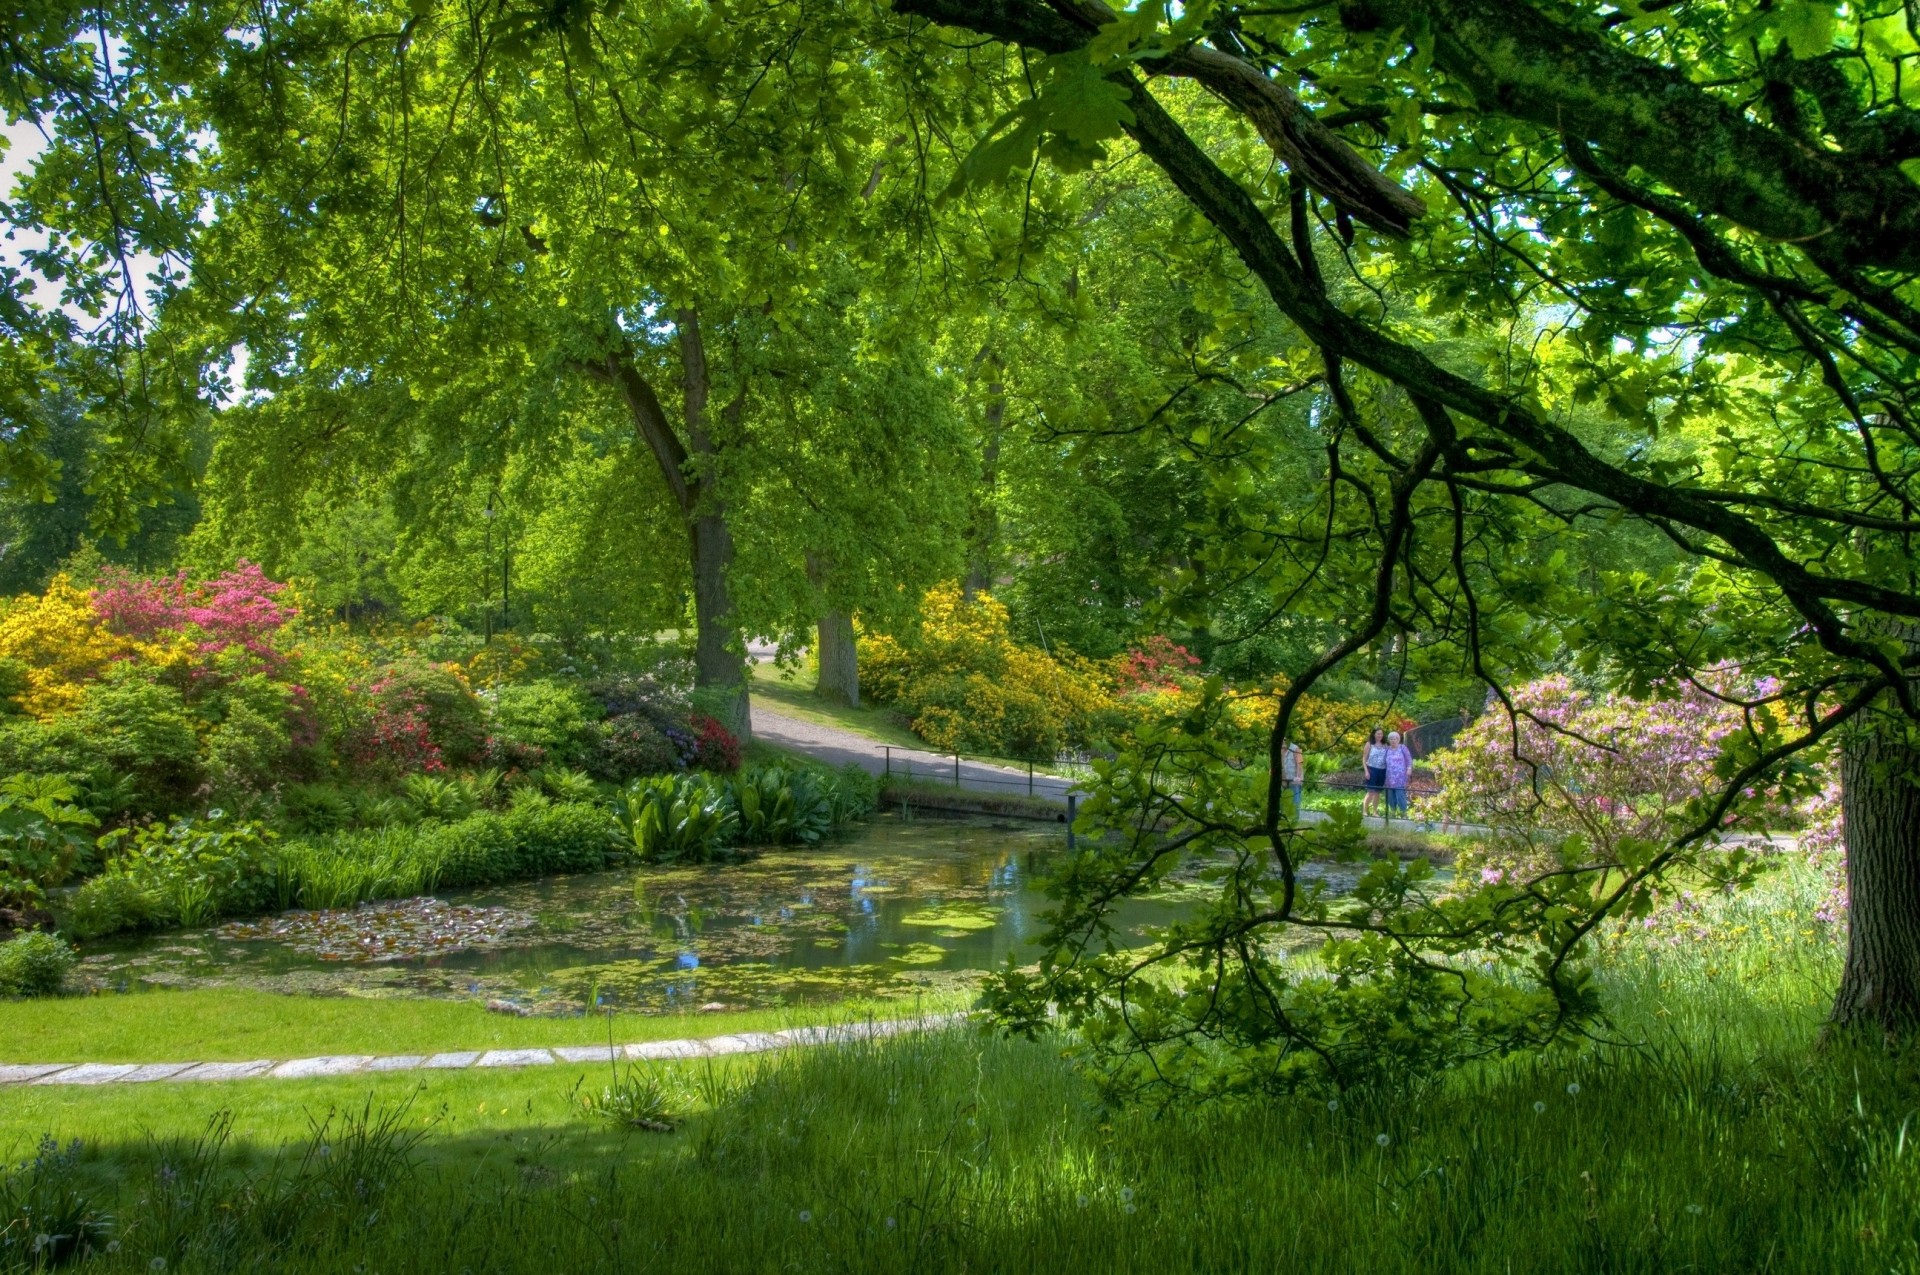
1570	770
966	685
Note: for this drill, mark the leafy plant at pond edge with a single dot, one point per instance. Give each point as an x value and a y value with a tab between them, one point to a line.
678	818
42	837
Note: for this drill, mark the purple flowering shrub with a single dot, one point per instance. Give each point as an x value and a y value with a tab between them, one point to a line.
1603	771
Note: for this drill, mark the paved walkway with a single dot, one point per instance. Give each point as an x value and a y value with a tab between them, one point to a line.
839	747
373	1064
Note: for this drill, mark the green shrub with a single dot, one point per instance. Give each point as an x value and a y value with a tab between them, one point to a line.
34	964
144	729
563	784
108	904
195	871
562	837
43	836
852	794
437	797
632	746
553	717
376	810
678	818
247	751
316	807
456	718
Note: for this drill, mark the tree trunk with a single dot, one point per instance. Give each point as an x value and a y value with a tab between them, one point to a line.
718	669
839	663
1880	821
983	523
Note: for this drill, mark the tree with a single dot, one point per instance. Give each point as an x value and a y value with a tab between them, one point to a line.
1684	235
555	252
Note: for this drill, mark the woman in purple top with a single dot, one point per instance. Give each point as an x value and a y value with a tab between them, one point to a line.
1399	772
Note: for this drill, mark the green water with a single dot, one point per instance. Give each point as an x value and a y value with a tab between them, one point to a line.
900	908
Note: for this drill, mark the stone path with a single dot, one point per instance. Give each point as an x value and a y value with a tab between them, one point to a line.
373	1064
839	747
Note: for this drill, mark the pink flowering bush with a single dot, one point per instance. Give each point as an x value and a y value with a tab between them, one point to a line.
240	608
1605	771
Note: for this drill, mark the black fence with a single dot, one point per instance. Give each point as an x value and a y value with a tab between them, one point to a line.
990	774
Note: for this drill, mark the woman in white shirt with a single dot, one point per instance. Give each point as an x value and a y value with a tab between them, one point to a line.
1374	758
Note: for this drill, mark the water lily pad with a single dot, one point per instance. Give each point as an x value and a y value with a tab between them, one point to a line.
918	954
383	931
961	918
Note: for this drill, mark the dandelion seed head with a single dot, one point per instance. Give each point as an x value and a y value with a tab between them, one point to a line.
1573	1089
1539	1107
806	1215
1126	1194
1381	1139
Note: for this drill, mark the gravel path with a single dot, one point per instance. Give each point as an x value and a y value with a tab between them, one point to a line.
359	1064
839	747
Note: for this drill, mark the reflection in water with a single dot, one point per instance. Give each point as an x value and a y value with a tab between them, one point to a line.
896	909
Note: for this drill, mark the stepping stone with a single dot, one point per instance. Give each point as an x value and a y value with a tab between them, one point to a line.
459	1058
758	1042
153	1071
589	1053
515	1058
330	1065
667	1049
227	1070
21	1073
728	1045
398	1062
89	1074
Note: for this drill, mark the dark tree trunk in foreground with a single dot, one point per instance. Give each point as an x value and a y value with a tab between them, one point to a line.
839	663
1880	809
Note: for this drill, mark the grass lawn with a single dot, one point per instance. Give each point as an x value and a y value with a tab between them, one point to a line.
792	693
1711	1131
236	1024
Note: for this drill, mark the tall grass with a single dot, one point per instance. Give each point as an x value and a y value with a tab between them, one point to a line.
1710	1131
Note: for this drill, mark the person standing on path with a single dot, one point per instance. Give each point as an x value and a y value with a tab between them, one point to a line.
1374	758
1293	773
1397	771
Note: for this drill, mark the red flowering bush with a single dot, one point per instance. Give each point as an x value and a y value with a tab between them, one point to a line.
1157	664
714	746
393	732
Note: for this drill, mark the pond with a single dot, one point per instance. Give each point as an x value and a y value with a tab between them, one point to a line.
901	907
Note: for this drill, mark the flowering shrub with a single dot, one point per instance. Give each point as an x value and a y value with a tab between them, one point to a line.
1157	664
967	686
1647	760
62	644
714	746
238	608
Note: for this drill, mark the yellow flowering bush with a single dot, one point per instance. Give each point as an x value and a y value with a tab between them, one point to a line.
63	644
967	686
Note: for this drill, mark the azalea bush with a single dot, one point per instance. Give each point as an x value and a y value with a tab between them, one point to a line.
965	685
1574	775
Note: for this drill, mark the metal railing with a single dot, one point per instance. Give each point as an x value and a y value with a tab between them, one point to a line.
986	773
